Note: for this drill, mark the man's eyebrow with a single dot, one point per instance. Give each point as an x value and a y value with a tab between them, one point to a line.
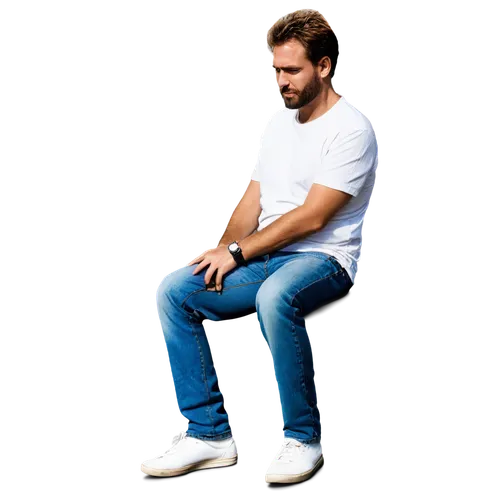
287	67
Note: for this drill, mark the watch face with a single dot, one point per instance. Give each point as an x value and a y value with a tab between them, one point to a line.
233	247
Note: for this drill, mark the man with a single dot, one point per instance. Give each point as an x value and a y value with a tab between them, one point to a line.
291	245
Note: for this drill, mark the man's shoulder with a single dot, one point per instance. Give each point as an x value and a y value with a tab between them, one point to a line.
281	114
276	120
353	120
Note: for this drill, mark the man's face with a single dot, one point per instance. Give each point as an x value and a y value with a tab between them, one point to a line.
296	74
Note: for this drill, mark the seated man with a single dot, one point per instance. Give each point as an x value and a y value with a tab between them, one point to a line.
292	245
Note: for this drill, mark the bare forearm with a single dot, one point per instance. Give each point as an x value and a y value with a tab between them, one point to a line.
290	227
240	225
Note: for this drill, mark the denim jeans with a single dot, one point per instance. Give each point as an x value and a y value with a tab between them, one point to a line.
282	287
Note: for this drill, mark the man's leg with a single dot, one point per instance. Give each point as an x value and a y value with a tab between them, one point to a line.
298	283
183	304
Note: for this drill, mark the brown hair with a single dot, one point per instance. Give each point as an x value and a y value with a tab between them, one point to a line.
311	29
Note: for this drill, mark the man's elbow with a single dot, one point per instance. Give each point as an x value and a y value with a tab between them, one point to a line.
314	220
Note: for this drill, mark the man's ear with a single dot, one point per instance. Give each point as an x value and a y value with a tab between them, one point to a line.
326	65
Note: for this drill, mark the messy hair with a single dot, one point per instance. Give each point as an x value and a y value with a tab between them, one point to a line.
312	30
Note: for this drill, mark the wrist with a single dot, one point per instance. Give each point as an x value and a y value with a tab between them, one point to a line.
236	252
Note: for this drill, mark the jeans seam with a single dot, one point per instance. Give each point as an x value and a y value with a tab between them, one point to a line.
308	441
224	288
203	369
301	362
296	342
302	374
313	282
210	437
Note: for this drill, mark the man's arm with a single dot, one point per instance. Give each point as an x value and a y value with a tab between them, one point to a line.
319	207
292	226
245	218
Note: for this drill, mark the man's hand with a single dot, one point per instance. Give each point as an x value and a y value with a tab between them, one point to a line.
220	260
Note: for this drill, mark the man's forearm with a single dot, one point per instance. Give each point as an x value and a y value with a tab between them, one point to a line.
290	227
240	226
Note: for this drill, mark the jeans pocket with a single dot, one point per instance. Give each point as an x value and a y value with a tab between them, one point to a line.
336	264
341	271
322	255
332	260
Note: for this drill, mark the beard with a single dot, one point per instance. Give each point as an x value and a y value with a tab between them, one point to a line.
308	93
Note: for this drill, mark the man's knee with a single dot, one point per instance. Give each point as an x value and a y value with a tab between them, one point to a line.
170	283
163	290
269	296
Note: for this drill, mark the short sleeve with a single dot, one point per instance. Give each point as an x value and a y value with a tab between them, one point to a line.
257	166
255	172
348	162
257	169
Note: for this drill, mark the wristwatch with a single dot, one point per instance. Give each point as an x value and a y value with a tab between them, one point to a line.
235	250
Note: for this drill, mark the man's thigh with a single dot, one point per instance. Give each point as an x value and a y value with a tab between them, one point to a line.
306	280
237	299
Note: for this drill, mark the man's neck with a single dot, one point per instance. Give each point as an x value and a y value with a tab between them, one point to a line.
318	106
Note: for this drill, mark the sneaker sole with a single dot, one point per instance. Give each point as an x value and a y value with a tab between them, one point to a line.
204	464
294	478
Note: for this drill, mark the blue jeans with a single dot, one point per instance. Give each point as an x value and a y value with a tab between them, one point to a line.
282	287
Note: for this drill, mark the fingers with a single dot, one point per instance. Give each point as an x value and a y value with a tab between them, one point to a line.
200	266
210	276
194	261
218	282
213	281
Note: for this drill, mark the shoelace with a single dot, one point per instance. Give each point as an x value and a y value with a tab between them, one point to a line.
177	436
176	439
288	449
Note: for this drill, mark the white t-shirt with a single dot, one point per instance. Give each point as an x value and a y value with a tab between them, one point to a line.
338	150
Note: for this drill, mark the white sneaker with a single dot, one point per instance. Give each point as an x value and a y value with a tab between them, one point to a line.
295	462
188	454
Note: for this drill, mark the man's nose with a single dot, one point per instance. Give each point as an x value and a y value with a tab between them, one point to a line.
283	81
